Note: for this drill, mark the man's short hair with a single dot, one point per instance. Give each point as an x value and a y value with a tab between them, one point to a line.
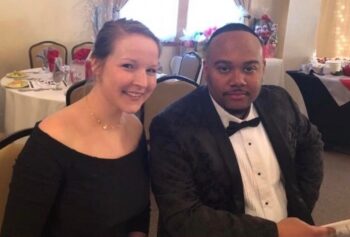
232	27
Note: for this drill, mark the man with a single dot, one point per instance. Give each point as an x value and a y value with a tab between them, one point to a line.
246	181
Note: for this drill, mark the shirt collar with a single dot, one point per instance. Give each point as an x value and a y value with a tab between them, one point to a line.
226	117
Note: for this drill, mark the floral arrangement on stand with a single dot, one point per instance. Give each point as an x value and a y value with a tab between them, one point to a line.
266	29
197	40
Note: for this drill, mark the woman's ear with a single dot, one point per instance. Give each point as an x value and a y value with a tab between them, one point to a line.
96	66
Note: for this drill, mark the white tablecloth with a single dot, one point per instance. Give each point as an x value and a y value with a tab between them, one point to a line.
274	72
338	91
24	109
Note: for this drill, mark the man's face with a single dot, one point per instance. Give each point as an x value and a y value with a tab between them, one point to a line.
234	69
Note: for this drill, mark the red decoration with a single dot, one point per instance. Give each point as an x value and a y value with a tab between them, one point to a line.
81	54
269	50
52	54
346	70
345	82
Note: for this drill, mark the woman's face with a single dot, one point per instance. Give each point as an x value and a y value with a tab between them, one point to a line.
128	76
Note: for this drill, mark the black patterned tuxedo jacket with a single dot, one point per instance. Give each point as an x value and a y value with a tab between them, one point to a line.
195	174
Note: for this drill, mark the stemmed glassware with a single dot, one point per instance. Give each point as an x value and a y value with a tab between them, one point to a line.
58	74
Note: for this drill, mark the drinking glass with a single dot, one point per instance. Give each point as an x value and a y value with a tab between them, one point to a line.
58	77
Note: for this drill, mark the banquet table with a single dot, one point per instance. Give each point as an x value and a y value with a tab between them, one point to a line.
24	108
325	111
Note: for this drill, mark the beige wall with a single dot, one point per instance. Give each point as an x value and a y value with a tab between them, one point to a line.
300	40
23	23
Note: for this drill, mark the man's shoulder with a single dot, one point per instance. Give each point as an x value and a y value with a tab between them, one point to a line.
273	90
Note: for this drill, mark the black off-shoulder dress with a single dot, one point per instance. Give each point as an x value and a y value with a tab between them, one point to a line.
57	191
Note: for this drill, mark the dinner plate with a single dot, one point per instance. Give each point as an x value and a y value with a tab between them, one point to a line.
16	75
15	84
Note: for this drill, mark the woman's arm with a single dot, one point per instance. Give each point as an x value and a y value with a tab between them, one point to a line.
33	189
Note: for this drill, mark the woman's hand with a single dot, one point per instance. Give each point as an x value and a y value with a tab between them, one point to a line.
137	234
292	227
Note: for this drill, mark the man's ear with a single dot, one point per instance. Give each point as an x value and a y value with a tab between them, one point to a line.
264	63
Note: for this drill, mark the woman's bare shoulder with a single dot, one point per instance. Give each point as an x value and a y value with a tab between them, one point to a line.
135	126
60	124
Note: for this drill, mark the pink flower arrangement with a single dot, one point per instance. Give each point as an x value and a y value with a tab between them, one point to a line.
208	32
267	32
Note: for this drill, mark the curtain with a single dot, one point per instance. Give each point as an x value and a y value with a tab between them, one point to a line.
244	5
105	10
117	6
333	34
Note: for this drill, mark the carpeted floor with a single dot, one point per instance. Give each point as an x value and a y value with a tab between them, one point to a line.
334	202
154	218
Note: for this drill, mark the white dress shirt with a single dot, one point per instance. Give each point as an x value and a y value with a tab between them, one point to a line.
264	193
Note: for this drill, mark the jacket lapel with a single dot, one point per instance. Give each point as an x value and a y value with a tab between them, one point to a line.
280	142
211	120
277	139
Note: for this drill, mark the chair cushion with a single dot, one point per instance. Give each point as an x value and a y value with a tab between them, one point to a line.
8	155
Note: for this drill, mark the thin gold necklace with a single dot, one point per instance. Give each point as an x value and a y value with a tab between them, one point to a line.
103	125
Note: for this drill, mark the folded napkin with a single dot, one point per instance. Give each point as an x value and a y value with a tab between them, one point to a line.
42	84
81	54
43	56
345	82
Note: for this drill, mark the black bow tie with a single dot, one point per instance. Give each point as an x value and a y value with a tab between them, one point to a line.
234	126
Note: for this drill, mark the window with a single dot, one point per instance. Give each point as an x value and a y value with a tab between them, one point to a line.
204	14
159	15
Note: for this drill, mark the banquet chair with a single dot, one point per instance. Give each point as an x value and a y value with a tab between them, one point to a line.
168	90
37	48
10	147
84	45
175	65
191	66
77	91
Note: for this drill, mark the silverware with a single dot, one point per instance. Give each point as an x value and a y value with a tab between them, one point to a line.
31	84
33	89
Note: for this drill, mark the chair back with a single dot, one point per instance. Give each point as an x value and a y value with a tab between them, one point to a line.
175	65
168	90
9	150
77	91
85	45
191	66
37	48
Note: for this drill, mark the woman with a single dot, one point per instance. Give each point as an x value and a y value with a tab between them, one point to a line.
83	171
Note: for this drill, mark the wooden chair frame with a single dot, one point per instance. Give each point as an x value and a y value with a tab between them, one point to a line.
77	91
36	48
86	44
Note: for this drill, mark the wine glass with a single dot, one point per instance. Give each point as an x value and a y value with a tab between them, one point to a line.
57	73
57	77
